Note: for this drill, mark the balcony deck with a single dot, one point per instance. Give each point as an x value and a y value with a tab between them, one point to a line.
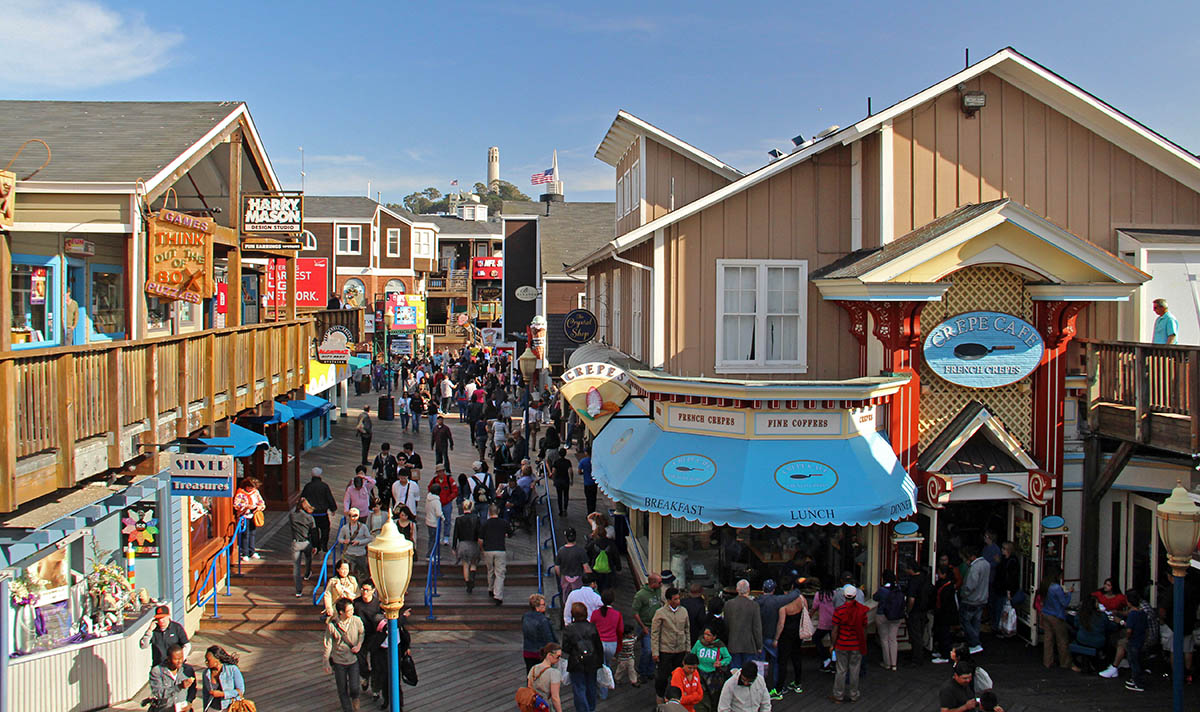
449	283
73	412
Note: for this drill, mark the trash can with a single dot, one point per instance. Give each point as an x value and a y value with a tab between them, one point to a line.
387	408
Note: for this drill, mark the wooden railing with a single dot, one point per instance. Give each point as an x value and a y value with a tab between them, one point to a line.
1145	393
454	280
75	411
445	330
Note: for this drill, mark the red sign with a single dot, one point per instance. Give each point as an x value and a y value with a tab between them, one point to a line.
487	267
222	297
312	282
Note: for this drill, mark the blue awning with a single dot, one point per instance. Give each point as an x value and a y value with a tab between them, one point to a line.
751	483
310	407
242	442
357	362
283	413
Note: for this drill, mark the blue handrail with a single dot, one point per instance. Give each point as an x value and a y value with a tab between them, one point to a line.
226	551
319	588
552	540
537	537
432	570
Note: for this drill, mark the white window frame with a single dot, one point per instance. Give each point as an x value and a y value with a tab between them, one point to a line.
635	315
356	240
760	364
620	196
310	241
591	293
635	177
393	232
422	244
616	309
602	305
581	299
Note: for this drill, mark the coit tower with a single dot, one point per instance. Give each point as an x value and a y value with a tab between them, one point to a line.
493	170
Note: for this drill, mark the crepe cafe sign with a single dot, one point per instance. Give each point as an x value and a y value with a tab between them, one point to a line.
596	391
180	255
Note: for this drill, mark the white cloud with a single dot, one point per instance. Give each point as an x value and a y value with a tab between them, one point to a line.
77	44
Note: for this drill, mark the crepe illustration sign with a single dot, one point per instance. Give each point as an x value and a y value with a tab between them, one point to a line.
596	391
180	255
983	349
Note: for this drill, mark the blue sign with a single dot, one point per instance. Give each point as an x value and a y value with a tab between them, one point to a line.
806	477
689	470
983	349
580	326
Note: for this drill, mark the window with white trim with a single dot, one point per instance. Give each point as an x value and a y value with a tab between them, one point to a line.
348	239
620	196
616	309
635	176
628	192
423	243
581	300
635	316
602	305
761	315
591	293
310	241
393	242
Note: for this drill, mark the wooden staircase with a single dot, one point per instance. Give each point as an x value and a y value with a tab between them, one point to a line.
262	599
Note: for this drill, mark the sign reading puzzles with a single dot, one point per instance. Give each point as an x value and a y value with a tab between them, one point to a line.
180	256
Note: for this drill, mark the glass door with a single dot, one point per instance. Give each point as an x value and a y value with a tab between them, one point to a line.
77	321
927	521
1141	563
1025	531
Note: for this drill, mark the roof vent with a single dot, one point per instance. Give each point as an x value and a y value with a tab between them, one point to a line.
828	131
775	154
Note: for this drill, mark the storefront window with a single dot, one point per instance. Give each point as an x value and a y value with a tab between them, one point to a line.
186	311
717	556
158	314
108	301
394	286
354	293
34	295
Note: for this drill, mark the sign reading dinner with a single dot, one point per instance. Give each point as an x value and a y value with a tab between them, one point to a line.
279	213
983	349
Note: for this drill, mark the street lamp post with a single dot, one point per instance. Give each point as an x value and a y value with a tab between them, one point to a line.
1179	530
390	559
527	364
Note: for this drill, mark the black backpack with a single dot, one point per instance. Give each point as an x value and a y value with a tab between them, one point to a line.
583	654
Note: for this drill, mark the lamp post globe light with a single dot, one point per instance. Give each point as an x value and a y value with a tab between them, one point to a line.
390	559
527	364
1179	530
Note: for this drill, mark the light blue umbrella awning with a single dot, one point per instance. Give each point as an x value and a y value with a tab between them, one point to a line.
242	442
310	407
357	362
751	483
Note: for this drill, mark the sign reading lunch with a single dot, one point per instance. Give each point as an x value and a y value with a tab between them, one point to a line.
983	349
278	213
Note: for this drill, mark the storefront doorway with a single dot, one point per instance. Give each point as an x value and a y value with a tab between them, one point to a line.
1141	560
77	291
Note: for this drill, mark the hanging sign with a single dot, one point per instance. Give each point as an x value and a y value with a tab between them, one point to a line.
79	246
139	528
180	255
279	213
580	326
312	282
405	312
983	349
8	199
201	475
596	391
487	267
526	293
335	345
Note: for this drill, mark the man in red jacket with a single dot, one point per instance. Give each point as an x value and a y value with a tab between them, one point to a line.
447	495
849	643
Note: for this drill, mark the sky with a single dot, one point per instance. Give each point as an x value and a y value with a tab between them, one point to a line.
407	95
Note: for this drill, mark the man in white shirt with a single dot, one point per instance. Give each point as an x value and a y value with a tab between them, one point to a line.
586	595
405	492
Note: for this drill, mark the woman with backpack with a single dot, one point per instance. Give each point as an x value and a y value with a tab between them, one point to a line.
581	644
888	617
602	557
544	680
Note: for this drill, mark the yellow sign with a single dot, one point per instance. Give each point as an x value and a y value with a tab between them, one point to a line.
8	198
181	254
596	391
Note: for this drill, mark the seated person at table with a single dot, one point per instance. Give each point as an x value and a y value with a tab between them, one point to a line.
1111	598
1094	627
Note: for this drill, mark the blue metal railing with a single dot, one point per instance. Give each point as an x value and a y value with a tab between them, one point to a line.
537	534
210	578
319	587
432	570
551	541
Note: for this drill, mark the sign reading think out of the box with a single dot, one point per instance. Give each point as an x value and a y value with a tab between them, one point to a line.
983	349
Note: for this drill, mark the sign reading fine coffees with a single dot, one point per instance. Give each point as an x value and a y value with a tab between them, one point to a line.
279	214
180	256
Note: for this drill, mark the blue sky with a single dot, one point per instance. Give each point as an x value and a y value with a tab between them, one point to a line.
408	95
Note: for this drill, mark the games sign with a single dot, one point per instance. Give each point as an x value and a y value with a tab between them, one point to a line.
180	254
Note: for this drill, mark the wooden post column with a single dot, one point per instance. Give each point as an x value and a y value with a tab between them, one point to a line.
233	312
898	328
1055	321
8	388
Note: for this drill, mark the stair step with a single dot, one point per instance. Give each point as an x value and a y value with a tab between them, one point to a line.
414	623
280	568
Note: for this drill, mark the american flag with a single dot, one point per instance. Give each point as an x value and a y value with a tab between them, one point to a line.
453	183
546	176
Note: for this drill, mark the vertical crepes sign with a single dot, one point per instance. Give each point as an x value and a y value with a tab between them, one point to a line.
180	253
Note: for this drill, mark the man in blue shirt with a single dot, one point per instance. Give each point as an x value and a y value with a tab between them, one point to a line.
1166	326
589	484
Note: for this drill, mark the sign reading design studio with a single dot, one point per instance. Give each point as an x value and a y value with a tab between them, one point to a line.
983	349
279	213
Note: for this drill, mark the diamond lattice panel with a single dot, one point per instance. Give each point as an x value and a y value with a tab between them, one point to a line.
976	289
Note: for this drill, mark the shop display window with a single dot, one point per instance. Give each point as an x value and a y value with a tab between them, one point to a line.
158	314
34	298
108	302
716	557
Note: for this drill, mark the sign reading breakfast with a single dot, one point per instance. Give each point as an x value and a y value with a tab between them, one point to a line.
180	255
983	349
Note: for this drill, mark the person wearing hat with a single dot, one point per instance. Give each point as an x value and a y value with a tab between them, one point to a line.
745	692
354	538
318	494
849	644
162	635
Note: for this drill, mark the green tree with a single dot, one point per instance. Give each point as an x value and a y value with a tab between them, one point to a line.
508	191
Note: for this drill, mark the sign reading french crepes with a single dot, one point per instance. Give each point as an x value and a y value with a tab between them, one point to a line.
180	255
279	213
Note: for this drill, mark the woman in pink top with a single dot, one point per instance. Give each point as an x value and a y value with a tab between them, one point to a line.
823	606
609	624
